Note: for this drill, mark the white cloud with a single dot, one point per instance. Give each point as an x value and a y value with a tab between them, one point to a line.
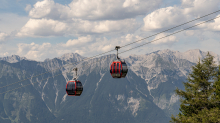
93	9
46	50
168	17
35	51
78	42
110	44
198	8
210	45
27	8
10	22
160	39
41	9
187	3
213	26
83	17
50	10
130	3
189	32
164	18
84	45
4	50
3	36
45	27
4	54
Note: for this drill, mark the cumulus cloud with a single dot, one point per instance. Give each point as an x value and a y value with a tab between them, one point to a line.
50	10
161	38
93	9
49	27
164	18
28	7
189	32
78	42
43	27
112	9
130	3
84	45
168	17
198	8
119	41
34	51
46	50
3	51
213	26
3	36
83	17
10	22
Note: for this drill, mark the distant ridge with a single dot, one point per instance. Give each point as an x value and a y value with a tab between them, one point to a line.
13	58
69	56
190	55
146	94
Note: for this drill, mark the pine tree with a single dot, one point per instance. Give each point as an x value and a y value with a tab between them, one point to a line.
216	96
200	100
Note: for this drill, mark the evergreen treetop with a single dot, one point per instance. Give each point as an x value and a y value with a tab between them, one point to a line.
200	100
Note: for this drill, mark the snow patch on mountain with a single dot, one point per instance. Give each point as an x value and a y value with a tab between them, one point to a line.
64	98
174	98
161	102
133	105
56	90
97	85
120	97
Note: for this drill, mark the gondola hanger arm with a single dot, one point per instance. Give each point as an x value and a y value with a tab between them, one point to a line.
117	47
75	69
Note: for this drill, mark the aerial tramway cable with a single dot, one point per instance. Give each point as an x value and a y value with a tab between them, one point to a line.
113	49
171	28
121	47
53	76
171	34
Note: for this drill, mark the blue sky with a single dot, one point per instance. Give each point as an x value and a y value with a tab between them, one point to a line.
50	28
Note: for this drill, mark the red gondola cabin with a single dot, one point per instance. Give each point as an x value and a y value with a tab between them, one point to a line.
74	88
118	69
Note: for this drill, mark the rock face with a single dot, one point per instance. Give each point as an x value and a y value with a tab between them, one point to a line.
145	95
13	58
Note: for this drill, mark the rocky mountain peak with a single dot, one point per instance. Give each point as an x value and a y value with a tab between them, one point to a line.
196	54
70	56
146	93
13	58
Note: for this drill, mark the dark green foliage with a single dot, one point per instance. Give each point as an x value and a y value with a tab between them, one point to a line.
200	100
217	87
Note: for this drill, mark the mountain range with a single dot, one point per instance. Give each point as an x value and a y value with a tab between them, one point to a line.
34	91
